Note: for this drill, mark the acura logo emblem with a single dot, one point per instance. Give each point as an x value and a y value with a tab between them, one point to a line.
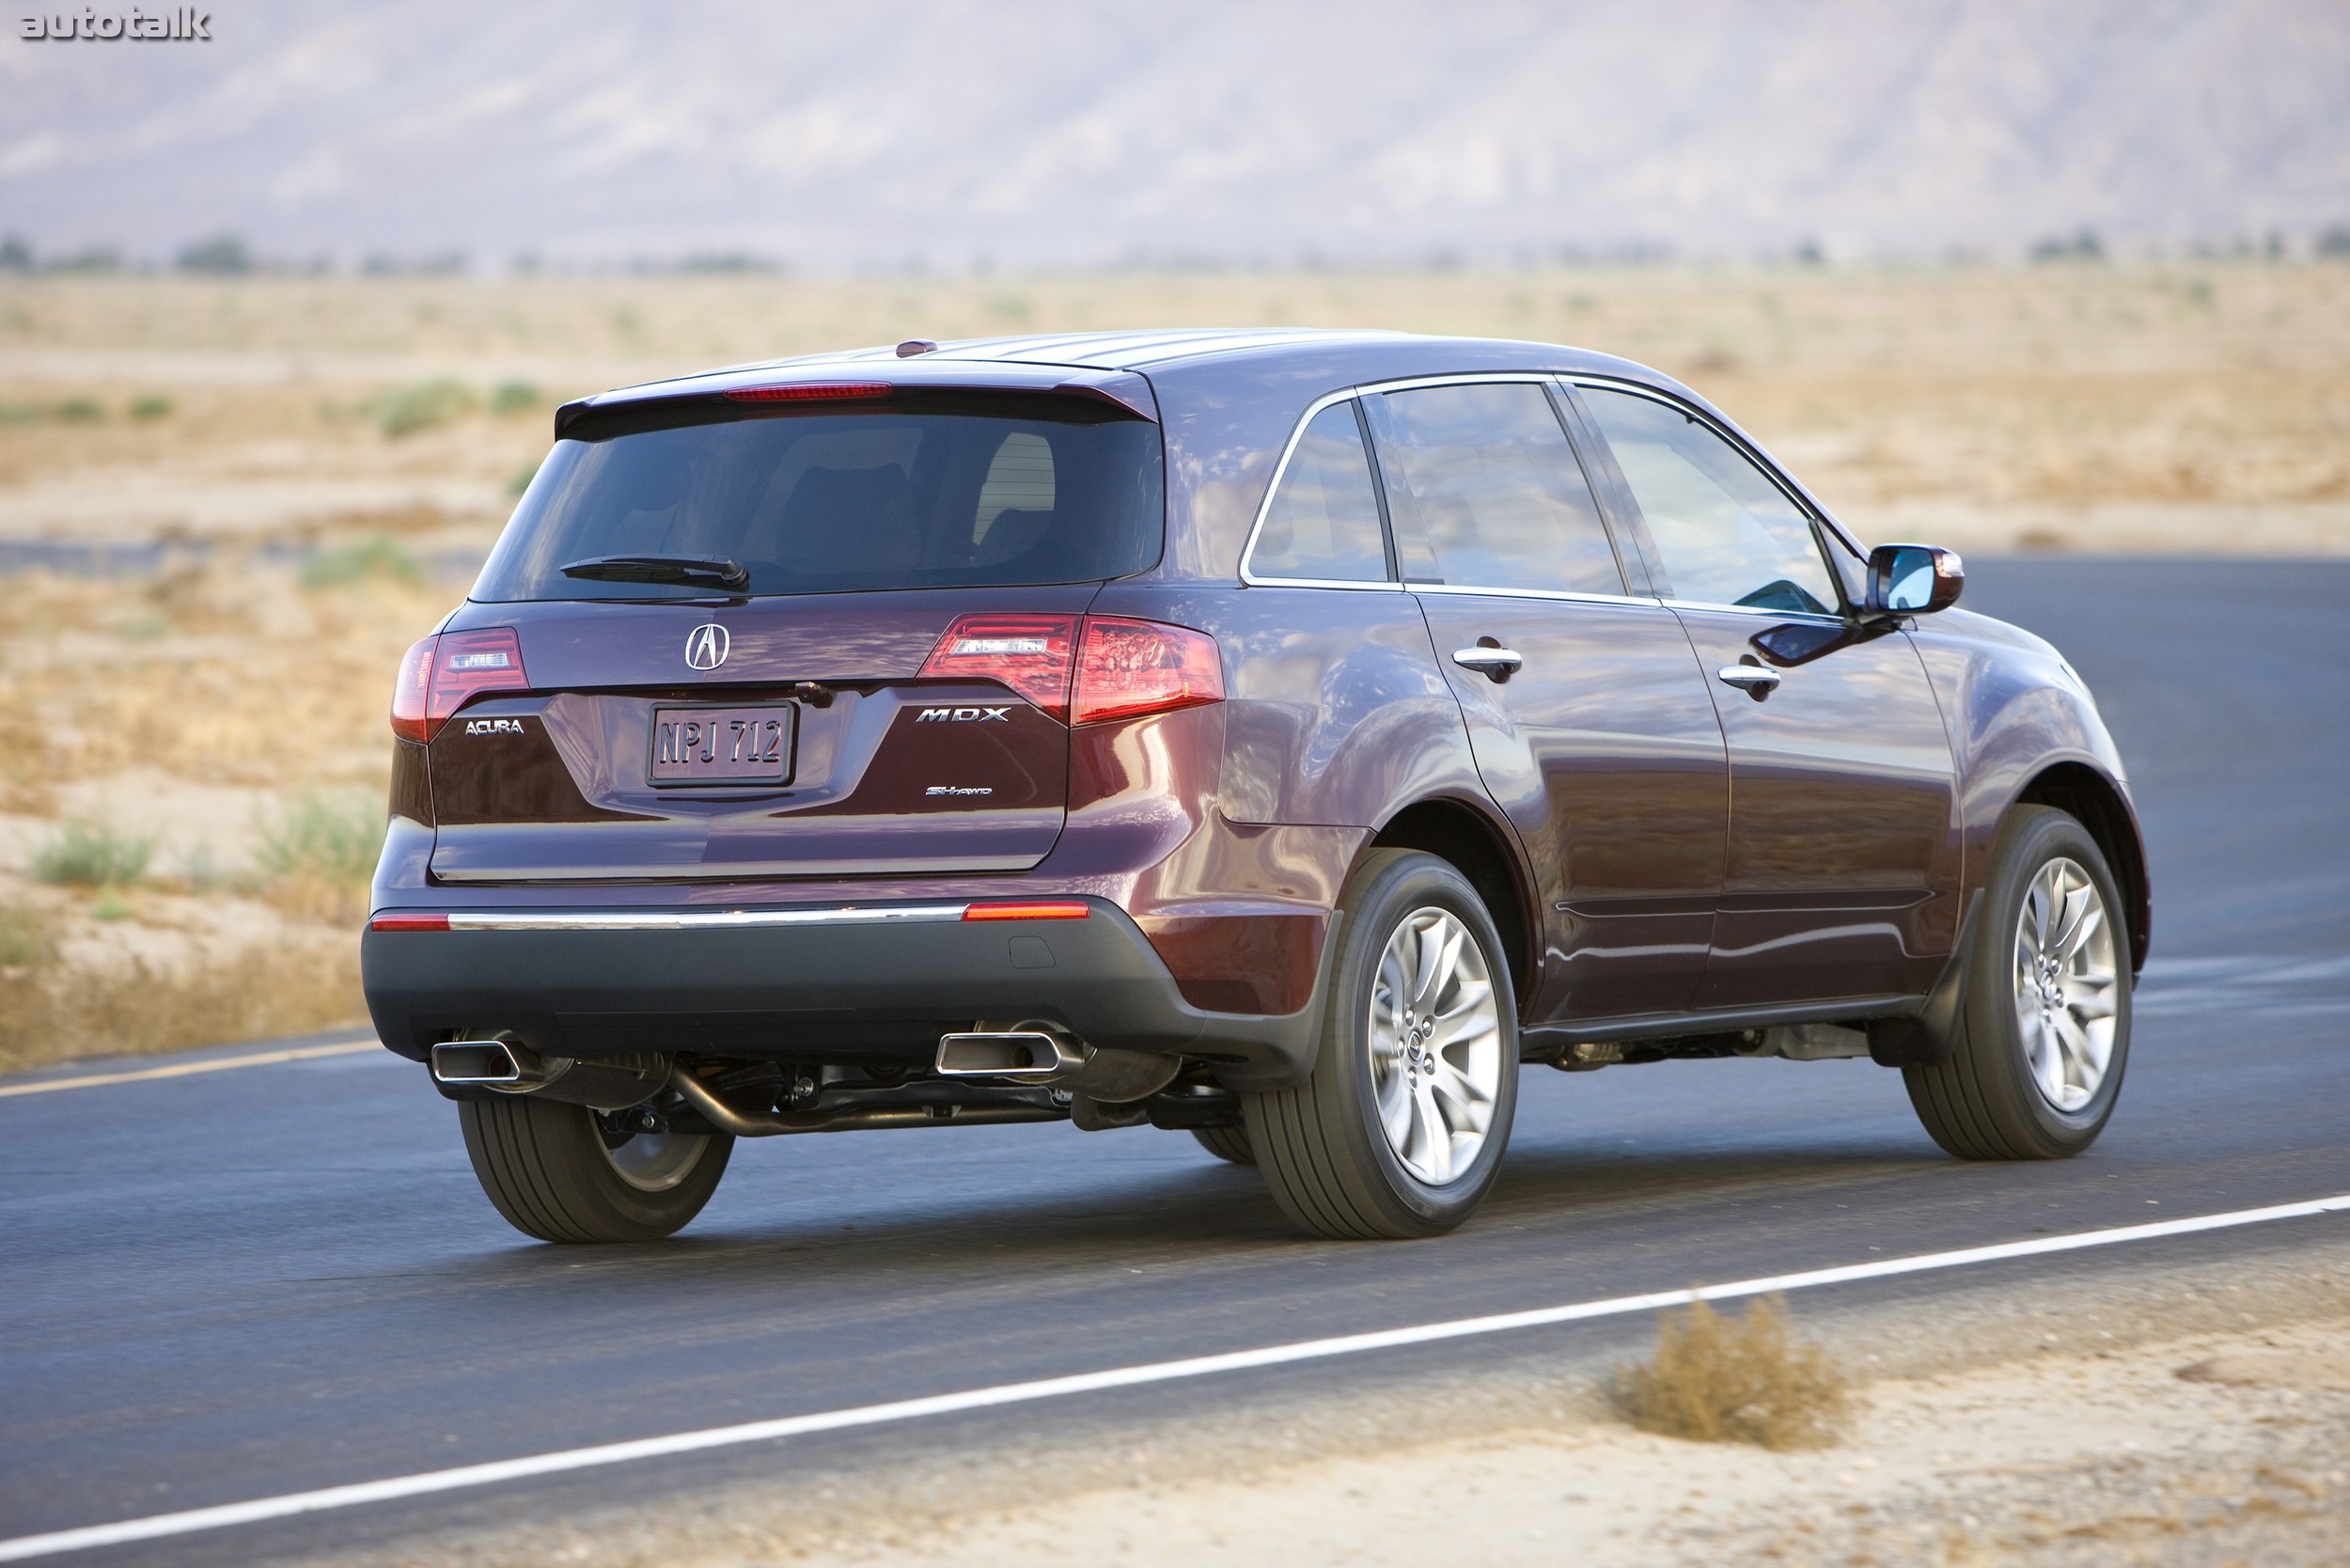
706	647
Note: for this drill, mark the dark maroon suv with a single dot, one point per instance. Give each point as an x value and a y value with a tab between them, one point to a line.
1276	737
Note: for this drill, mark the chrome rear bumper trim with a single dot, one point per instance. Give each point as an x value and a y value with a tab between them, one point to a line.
703	920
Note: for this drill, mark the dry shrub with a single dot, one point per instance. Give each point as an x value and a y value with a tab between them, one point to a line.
416	517
94	855
425	406
250	672
1718	1379
26	941
322	900
317	853
378	555
51	1012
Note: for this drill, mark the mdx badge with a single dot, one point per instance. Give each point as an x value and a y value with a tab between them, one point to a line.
706	646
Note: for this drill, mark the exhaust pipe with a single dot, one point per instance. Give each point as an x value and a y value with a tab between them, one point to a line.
507	1066
1039	1054
1017	1056
489	1064
726	1119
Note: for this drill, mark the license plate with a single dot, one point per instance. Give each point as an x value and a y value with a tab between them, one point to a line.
723	746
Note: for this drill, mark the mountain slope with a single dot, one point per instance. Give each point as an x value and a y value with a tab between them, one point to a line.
1082	131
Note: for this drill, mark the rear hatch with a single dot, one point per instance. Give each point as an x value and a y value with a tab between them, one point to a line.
815	629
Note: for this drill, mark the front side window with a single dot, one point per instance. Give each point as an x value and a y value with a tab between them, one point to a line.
1485	491
1323	521
1727	533
905	498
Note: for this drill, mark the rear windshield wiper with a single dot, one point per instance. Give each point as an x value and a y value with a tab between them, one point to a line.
693	570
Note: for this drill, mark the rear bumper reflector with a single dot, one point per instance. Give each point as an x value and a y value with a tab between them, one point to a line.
1058	909
409	922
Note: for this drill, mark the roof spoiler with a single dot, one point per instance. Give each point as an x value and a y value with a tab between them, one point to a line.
686	401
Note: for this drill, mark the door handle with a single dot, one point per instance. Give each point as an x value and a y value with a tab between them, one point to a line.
1753	680
1493	664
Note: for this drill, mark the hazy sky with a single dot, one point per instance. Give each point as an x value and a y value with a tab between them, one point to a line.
1027	132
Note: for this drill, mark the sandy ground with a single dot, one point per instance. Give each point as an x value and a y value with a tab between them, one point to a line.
2143	527
2142	1411
2189	406
2222	1449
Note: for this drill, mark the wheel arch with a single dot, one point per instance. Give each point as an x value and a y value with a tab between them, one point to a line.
1468	839
2097	803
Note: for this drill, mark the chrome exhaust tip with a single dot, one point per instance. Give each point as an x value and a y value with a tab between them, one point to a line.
504	1065
1019	1056
482	1064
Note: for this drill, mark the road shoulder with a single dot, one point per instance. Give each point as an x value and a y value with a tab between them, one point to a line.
2212	1448
2183	1410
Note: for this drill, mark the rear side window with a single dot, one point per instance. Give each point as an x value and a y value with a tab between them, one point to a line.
1324	519
1485	491
1728	534
837	502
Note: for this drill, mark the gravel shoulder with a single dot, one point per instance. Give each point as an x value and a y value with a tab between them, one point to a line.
2140	1411
2213	1449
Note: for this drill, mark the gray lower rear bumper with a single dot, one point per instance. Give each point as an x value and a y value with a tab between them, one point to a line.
878	983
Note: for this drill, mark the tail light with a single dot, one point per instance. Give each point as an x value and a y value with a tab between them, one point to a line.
411	690
1126	669
441	673
1122	668
1030	653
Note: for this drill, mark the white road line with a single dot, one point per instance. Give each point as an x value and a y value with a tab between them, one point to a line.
181	1068
490	1474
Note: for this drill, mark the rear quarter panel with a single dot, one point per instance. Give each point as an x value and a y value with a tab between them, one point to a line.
1334	717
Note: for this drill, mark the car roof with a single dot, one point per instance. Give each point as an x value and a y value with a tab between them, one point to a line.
1132	351
1029	358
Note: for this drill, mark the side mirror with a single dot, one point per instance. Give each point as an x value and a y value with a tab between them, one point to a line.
1914	579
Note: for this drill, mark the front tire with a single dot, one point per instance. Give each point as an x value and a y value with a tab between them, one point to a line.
2044	1032
1401	1127
556	1174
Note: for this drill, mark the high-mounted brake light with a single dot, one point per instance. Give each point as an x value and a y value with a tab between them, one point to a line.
810	392
1126	669
1030	653
1119	668
1052	909
442	672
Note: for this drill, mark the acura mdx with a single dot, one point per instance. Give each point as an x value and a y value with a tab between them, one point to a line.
1278	738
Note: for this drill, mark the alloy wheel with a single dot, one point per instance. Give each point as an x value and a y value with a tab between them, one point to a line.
653	1162
2064	979
1436	1045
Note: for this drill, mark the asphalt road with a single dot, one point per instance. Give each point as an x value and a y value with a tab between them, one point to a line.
263	1280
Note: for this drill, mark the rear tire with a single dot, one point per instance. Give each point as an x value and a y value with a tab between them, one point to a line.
2043	1033
554	1173
1401	1125
1229	1144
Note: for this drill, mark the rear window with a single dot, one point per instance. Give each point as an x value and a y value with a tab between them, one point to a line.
1028	492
